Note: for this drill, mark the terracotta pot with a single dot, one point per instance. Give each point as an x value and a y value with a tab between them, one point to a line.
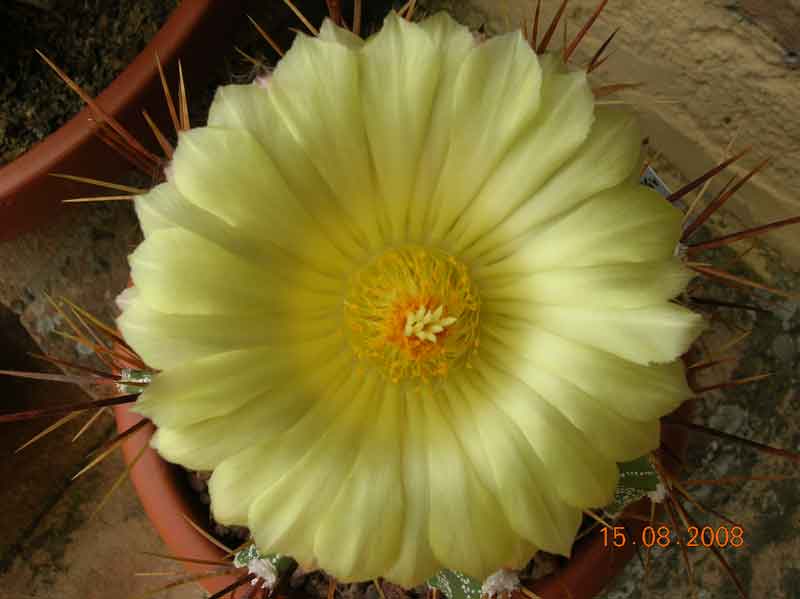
164	492
166	497
29	197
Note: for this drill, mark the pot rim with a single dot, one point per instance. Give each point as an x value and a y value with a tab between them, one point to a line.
29	197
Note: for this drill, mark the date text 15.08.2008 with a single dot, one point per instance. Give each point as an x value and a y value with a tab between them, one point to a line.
663	536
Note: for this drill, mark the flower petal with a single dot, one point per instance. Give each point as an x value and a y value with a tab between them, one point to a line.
212	165
616	437
629	223
287	516
400	68
499	82
221	383
316	91
319	445
609	156
630	285
147	206
652	334
562	124
265	416
359	537
251	108
178	272
166	340
415	561
454	43
641	393
468	531
510	468
163	207
581	477
330	32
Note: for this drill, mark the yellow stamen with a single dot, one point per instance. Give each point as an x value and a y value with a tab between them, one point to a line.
413	313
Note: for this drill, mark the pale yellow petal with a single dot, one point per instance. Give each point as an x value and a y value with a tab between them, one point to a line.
651	334
179	272
608	157
641	393
468	531
359	537
499	82
251	107
560	127
319	439
400	68
616	437
227	172
265	417
509	467
147	209
163	207
575	470
415	561
316	91
166	340
287	516
454	42
221	383
628	223
630	285
330	32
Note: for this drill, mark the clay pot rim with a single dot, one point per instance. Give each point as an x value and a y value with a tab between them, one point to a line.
166	498
25	185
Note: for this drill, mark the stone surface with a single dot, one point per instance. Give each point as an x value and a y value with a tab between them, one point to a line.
74	555
36	476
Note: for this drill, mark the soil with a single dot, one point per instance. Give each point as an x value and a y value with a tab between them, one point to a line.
91	40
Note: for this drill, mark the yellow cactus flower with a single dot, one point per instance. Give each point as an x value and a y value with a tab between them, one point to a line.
409	303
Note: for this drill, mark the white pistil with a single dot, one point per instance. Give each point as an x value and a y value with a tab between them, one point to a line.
425	324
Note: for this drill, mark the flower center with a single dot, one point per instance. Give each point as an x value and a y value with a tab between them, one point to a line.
413	312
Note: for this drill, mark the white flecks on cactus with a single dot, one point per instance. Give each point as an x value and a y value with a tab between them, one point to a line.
502	581
659	494
266	574
133	381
